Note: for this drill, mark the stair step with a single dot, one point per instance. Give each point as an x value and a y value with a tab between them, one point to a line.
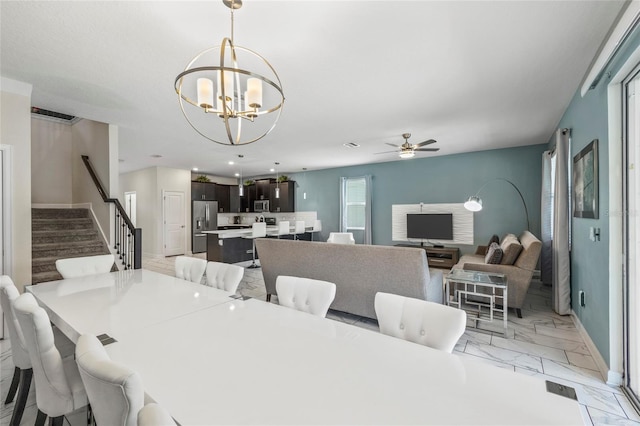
41	277
59	213
59	224
82	248
64	237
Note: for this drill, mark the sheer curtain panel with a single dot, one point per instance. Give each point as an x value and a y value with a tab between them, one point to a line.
561	290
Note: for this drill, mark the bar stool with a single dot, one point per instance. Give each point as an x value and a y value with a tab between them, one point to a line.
258	230
317	227
283	228
299	229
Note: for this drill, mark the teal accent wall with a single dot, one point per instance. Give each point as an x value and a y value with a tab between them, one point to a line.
443	179
587	117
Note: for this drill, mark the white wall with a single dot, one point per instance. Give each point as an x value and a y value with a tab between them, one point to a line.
91	138
15	130
51	169
144	183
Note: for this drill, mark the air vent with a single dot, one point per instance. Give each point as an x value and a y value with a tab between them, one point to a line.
54	116
351	145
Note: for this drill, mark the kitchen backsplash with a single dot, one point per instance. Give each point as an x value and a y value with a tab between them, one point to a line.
249	218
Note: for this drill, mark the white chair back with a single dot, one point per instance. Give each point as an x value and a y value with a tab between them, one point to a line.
56	393
154	415
9	293
300	228
283	227
305	294
83	266
259	230
224	276
115	392
317	225
190	268
427	323
341	238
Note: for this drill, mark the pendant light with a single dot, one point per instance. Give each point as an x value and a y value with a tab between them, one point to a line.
277	181
241	184
304	176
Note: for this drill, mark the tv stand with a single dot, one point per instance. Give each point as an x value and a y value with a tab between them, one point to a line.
438	256
437	246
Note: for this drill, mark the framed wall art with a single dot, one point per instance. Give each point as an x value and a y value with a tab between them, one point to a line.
585	182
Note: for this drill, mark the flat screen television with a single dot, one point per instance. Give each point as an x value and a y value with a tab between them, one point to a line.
430	226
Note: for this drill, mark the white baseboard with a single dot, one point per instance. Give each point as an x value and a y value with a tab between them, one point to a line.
614	378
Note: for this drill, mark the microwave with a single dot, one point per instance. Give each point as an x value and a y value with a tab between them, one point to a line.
261	206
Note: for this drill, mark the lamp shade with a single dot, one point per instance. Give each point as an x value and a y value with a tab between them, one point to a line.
474	204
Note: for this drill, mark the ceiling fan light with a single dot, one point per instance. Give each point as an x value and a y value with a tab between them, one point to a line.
473	204
407	154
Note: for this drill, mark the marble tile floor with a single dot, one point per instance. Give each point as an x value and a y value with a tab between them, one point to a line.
541	344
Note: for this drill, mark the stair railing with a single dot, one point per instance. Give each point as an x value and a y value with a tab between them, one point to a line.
128	238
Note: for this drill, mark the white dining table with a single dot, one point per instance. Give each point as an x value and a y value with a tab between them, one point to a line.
222	360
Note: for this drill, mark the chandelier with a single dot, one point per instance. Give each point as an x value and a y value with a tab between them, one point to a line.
217	96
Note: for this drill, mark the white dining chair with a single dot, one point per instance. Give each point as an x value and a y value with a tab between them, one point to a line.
305	294
59	389
299	229
22	373
153	414
258	230
224	276
283	228
190	268
115	392
419	321
317	227
341	238
86	265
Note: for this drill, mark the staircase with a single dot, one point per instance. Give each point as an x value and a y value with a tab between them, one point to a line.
59	234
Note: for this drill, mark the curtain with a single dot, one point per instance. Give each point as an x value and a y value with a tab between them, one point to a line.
546	217
367	226
561	287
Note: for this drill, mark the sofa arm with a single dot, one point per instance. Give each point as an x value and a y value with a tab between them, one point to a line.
482	250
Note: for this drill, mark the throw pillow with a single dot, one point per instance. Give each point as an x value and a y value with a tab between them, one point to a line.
511	251
494	254
494	239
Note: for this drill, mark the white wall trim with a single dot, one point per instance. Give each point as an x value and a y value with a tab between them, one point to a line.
595	354
7	218
16	87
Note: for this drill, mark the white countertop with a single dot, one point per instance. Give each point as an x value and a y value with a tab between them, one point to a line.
239	233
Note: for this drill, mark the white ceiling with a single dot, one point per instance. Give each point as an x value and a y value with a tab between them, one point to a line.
474	75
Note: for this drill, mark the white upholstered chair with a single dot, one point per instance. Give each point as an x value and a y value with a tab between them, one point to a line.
224	276
283	228
22	372
83	266
190	268
59	389
154	415
305	294
115	392
317	227
299	229
427	323
341	238
258	230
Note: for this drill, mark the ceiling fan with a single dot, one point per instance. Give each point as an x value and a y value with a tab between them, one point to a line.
408	150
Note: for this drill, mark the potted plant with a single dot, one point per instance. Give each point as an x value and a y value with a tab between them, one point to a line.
249	182
283	178
202	178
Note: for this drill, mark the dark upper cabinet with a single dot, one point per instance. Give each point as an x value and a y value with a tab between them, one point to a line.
222	195
246	201
263	190
286	202
234	199
203	191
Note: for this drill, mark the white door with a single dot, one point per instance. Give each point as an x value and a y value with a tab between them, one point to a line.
2	207
174	223
130	206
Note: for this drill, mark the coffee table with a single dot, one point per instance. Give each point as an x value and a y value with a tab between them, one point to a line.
482	295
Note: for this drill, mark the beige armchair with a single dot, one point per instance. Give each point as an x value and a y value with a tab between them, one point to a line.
518	275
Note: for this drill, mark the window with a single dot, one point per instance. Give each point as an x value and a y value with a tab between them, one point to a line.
355	203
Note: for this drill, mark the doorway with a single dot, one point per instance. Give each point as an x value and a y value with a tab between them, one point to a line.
130	206
174	223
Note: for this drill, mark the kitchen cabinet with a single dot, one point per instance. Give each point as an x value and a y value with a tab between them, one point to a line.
263	190
234	199
246	201
203	191
287	202
222	196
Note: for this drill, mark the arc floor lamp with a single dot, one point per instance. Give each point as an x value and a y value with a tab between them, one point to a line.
474	203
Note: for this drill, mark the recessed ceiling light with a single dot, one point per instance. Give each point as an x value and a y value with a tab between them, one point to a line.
120	160
195	169
351	145
237	175
272	170
156	156
231	163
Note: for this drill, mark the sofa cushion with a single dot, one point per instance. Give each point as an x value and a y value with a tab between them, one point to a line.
510	252
494	254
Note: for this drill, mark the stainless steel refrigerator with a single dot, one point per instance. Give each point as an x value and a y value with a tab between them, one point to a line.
204	217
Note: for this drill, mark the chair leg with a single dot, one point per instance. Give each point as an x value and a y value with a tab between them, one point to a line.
254	265
268	297
21	402
56	421
519	312
41	418
14	385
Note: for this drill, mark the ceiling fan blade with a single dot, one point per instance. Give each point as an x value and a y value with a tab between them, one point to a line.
427	149
385	152
392	144
429	142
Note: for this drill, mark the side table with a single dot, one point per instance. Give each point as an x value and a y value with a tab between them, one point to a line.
482	295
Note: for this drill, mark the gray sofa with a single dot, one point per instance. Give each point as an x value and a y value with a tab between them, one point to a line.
359	271
518	275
